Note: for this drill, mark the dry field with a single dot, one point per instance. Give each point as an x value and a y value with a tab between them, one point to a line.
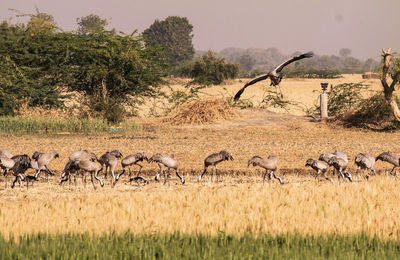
238	204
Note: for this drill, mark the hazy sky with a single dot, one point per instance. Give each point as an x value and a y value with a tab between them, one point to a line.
324	26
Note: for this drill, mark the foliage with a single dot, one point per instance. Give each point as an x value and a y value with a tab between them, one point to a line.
266	59
41	125
373	112
27	59
110	69
312	74
210	70
46	125
344	98
174	36
182	246
91	24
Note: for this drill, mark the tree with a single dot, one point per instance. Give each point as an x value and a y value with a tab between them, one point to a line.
210	69
39	21
394	73
91	24
27	59
174	35
247	62
344	52
110	69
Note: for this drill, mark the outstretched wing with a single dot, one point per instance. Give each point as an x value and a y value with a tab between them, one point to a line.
293	59
251	82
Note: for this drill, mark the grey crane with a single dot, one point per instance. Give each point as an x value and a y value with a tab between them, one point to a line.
269	164
364	162
82	155
341	166
318	166
42	160
213	160
390	158
110	160
19	169
274	75
130	160
166	163
92	167
5	153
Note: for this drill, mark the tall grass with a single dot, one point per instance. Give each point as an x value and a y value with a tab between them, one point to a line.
181	246
46	125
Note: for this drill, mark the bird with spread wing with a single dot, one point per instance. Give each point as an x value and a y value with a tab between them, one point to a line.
274	74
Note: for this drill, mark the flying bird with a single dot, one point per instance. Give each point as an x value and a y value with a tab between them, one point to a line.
274	74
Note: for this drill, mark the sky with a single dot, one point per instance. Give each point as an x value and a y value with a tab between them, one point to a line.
323	26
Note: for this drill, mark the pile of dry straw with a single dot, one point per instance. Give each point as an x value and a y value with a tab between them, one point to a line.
199	112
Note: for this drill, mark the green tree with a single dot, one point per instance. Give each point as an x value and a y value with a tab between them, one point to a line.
210	69
38	21
110	69
174	35
91	24
28	57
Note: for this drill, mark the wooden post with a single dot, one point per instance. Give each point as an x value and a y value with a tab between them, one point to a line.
324	101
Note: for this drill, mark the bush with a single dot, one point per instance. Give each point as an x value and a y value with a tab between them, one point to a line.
373	112
344	99
209	70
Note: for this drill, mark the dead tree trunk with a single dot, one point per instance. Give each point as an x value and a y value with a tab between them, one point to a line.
389	89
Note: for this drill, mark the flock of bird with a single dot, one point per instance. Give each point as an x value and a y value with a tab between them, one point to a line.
82	161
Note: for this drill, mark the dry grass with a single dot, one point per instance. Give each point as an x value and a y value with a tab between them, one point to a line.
239	204
233	207
202	111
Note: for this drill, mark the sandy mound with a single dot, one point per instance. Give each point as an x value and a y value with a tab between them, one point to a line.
200	112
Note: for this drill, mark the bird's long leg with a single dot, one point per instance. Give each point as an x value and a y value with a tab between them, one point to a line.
166	179
391	172
140	170
211	174
366	174
201	175
37	173
358	172
270	175
324	173
279	179
119	175
180	177
216	173
316	176
348	175
265	175
91	179
97	178
159	174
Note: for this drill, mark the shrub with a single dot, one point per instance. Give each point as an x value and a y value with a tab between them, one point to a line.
209	70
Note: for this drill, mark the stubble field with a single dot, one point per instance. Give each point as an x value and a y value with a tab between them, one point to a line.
239	204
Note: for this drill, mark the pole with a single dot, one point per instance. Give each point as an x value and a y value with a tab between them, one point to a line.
324	101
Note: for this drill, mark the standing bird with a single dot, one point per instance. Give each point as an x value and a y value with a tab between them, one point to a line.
269	164
213	160
365	162
274	74
341	166
110	160
130	160
318	166
42	160
166	163
390	158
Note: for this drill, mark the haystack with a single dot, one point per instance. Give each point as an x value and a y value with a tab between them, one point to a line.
200	112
